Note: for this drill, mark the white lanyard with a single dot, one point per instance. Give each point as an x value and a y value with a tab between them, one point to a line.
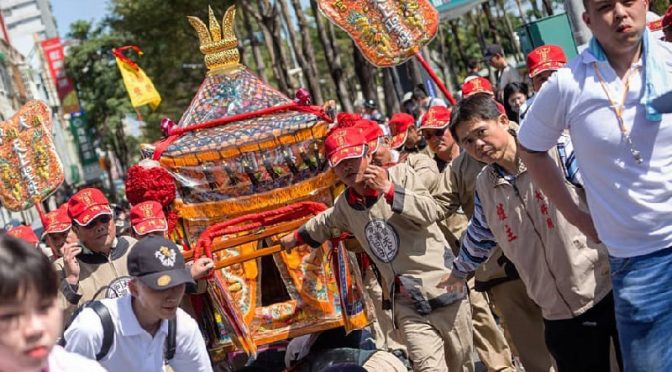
618	109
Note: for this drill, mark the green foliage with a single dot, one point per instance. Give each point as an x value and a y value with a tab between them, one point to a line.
92	66
659	6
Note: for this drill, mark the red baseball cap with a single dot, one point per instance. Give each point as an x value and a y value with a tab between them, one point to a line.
399	124
437	117
148	217
371	132
24	233
544	58
57	221
86	205
476	85
344	143
346	119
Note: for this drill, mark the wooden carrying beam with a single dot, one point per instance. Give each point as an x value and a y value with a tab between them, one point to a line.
262	234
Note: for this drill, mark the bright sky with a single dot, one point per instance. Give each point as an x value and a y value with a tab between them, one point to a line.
68	11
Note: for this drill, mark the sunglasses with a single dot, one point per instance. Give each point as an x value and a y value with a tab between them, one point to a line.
429	133
104	219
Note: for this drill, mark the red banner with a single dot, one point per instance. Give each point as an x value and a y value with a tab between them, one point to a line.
65	87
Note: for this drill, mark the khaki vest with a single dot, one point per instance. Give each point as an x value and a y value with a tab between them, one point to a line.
96	272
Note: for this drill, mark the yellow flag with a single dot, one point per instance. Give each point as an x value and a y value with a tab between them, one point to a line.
140	88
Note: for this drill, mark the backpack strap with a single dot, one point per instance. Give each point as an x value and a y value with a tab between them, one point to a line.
171	340
108	327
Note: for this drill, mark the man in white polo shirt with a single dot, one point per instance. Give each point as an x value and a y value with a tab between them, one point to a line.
622	143
141	320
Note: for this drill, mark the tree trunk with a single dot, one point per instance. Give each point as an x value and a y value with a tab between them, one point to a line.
458	42
454	67
548	7
510	30
492	26
307	48
535	9
259	65
523	17
391	93
365	74
308	72
333	57
123	153
266	16
476	22
445	61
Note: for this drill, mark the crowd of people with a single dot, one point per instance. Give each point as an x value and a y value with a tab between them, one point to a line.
533	232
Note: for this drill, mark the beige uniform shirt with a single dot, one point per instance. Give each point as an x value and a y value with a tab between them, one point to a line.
96	271
456	191
401	237
564	272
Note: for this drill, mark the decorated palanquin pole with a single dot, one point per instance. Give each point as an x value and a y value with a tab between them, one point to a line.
388	32
30	169
249	167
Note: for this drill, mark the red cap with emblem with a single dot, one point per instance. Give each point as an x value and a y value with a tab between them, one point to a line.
148	217
57	221
24	233
544	58
86	205
437	117
371	132
476	85
399	124
346	119
344	143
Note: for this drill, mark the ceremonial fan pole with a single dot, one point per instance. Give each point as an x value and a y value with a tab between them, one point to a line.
388	32
432	74
30	169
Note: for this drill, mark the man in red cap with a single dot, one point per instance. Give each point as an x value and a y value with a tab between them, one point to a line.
393	216
24	233
147	218
405	136
99	258
383	155
434	127
476	85
543	62
57	232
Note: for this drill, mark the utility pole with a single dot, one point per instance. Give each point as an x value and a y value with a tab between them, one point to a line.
580	31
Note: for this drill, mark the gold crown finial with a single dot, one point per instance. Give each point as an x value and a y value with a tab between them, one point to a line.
219	43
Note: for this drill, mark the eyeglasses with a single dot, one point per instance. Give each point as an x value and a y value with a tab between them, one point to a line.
104	219
429	133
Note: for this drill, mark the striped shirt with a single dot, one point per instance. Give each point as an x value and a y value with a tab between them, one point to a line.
479	241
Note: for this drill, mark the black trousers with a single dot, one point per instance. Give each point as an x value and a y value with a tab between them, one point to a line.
582	343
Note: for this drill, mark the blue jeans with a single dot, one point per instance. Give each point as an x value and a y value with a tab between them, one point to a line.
643	304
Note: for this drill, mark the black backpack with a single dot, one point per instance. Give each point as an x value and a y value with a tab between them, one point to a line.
108	330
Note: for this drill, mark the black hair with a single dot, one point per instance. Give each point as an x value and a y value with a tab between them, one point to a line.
473	63
24	268
480	106
509	90
419	92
